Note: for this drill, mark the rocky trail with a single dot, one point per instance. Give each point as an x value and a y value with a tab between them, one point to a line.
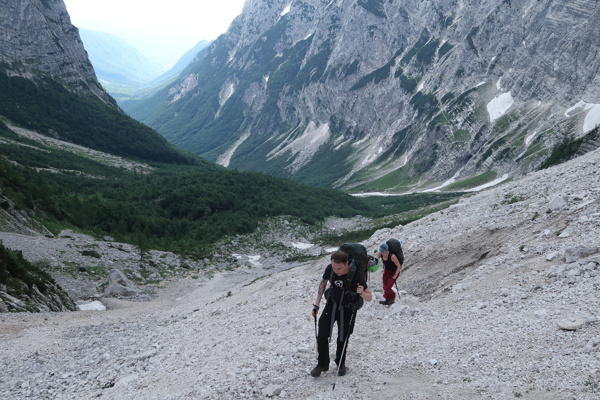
500	299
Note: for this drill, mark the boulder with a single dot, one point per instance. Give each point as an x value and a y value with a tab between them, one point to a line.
119	285
573	254
557	203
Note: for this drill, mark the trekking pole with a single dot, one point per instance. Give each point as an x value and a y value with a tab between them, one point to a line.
343	356
316	334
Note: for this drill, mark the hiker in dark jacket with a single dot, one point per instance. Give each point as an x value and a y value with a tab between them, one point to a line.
345	295
391	272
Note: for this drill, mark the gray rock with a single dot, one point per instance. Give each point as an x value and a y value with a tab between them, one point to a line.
119	285
556	271
575	253
570	324
557	203
272	390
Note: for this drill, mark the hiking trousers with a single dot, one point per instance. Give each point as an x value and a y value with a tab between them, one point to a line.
388	284
325	332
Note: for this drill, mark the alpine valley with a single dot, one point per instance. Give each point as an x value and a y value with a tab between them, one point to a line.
72	161
390	95
188	280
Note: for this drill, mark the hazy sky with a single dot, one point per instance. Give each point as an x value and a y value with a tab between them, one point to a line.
158	28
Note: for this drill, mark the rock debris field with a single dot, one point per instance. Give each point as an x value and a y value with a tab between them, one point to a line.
500	299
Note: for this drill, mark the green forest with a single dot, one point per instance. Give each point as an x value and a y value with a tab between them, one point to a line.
175	207
176	201
182	208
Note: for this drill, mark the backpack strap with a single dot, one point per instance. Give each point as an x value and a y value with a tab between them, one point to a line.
350	275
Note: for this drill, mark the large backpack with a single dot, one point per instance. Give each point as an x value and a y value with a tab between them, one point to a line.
358	256
395	247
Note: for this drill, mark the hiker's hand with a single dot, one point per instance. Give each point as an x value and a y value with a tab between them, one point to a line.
315	310
360	290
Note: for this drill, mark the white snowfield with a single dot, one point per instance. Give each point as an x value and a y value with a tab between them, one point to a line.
487	286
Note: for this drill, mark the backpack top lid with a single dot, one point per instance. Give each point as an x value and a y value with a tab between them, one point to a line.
394	245
357	253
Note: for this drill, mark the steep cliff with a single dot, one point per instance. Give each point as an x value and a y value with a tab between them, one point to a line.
47	84
37	38
378	94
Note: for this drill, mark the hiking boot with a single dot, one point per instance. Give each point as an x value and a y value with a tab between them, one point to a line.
387	302
342	371
316	372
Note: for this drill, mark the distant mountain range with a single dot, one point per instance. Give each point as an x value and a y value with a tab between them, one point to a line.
388	94
124	71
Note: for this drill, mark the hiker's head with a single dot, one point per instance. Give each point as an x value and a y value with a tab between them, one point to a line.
339	262
383	247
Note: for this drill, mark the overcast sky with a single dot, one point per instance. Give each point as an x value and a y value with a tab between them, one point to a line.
156	27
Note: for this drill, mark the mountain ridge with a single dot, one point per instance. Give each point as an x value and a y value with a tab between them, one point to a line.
394	95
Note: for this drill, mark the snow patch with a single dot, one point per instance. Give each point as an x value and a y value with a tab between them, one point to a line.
286	10
475	189
443	185
225	158
592	119
302	246
253	260
93	306
499	105
489	184
377	194
577	108
499	84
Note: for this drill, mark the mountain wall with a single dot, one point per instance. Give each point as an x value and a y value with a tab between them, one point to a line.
402	95
48	85
37	38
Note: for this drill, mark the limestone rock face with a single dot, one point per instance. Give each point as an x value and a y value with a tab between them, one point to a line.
38	39
347	92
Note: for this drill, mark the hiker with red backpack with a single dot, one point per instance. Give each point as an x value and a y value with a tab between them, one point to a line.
391	254
346	294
